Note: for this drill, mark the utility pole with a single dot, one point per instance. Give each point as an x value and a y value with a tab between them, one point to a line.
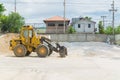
103	17
64	15
15	6
113	10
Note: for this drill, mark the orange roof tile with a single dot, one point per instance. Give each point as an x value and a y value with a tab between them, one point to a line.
56	18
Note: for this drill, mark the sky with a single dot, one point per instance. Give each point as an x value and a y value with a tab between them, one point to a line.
35	11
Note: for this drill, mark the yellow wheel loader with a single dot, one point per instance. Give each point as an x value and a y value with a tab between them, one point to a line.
28	42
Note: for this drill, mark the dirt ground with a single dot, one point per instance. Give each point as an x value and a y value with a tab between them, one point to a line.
85	61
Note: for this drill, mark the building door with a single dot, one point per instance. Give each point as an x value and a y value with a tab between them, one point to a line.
82	27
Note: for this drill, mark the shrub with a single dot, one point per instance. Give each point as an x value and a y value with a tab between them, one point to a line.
71	30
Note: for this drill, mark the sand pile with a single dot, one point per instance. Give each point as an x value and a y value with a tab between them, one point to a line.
4	42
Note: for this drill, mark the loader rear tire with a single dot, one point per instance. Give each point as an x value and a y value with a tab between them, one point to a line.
42	51
20	50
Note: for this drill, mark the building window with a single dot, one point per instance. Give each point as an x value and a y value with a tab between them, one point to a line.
89	25
51	24
60	25
79	25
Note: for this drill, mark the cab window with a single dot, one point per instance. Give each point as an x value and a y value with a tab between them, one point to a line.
30	33
25	33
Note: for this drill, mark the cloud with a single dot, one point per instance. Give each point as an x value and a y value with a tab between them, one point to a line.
38	10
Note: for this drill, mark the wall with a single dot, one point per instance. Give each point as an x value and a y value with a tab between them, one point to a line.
56	28
84	26
82	37
117	38
79	37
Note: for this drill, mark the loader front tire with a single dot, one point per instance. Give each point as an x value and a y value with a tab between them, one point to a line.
42	51
20	50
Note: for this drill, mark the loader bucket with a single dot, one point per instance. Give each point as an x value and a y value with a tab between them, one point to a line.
63	51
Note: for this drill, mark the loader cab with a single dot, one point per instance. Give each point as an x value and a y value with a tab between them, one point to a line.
27	34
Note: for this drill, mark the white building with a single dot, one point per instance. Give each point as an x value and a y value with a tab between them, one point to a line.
83	25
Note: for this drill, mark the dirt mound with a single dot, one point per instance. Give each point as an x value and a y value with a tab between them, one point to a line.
4	42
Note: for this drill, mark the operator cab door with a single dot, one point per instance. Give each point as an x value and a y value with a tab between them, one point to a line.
28	34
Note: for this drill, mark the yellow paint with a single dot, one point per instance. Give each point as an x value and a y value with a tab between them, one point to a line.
31	43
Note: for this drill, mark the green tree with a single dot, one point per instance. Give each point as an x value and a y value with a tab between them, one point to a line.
12	22
4	23
109	30
89	18
71	30
101	28
15	22
117	30
2	9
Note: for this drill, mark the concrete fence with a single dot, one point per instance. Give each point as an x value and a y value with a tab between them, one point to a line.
79	37
117	39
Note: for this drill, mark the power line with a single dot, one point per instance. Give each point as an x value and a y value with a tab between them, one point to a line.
83	3
60	3
32	2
